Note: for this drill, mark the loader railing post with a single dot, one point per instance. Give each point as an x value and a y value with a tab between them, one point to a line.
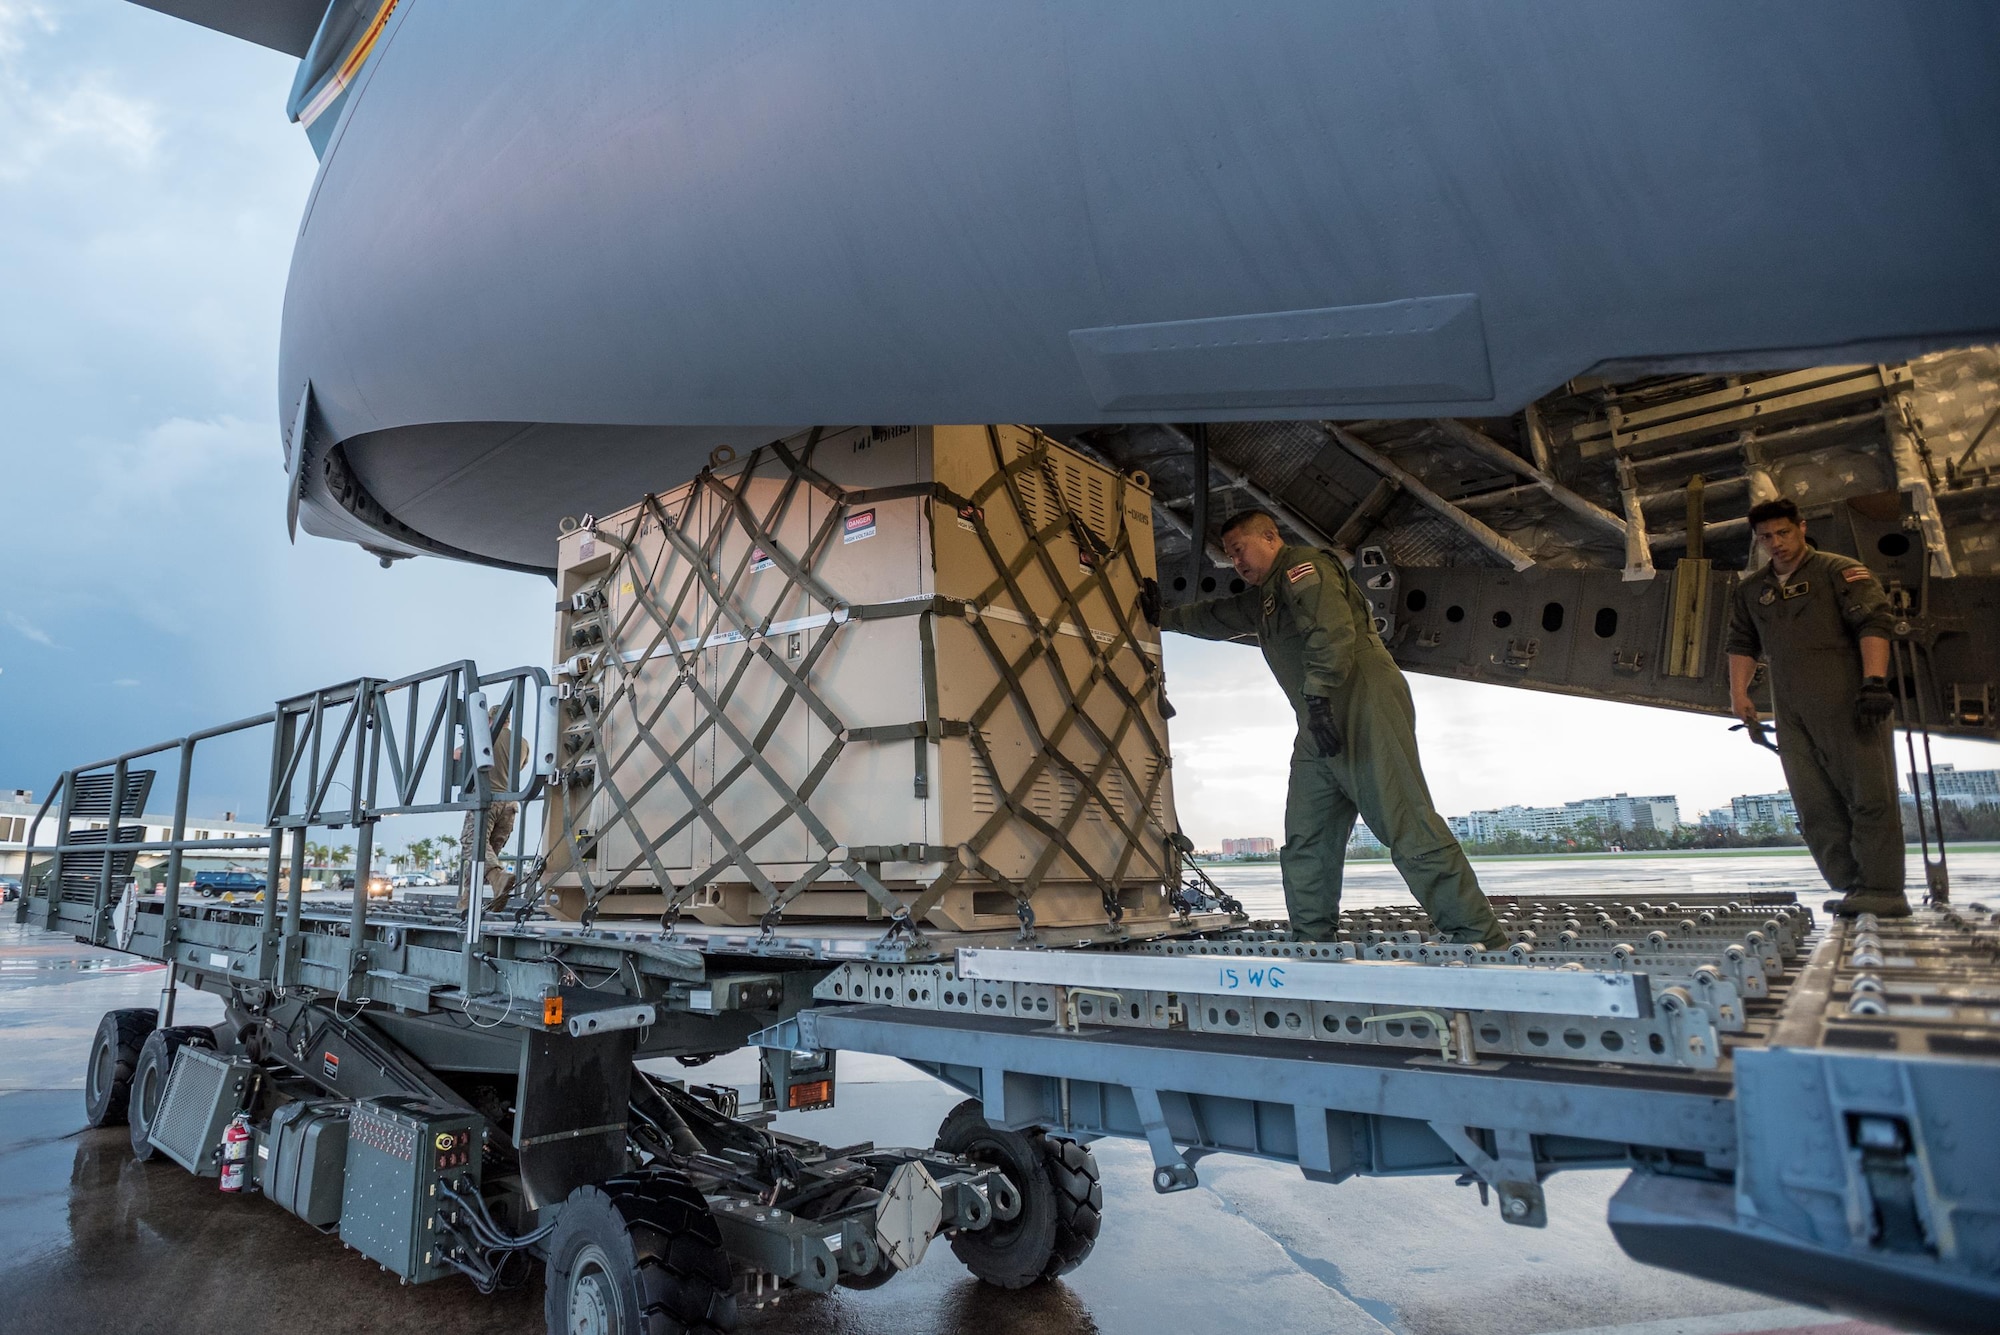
101	897
170	909
170	929
357	922
274	860
52	909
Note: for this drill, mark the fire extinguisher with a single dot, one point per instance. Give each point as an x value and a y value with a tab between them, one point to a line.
235	1152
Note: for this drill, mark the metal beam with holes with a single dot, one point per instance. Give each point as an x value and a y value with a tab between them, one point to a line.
1357	982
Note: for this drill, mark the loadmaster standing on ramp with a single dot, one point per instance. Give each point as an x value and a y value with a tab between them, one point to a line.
1822	623
1357	742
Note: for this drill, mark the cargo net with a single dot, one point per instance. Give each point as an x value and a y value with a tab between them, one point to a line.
609	681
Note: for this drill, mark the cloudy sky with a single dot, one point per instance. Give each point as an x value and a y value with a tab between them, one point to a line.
150	188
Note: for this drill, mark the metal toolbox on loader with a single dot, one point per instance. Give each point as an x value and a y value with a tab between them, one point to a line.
868	673
302	1160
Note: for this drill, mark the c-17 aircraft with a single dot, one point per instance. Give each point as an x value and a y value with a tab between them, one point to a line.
1521	304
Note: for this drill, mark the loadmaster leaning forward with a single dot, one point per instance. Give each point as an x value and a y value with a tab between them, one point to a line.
1356	749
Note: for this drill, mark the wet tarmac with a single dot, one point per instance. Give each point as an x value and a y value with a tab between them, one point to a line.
91	1239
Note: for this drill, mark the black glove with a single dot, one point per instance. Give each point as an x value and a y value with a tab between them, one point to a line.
1874	703
1149	600
1325	732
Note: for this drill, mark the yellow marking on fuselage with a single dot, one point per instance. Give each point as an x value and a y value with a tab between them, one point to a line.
350	66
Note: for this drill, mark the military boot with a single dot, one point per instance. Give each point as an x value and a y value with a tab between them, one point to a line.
1881	903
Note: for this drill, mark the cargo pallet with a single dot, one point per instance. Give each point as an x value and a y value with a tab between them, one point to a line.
1805	1106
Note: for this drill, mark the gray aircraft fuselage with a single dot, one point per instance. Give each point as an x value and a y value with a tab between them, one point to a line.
558	253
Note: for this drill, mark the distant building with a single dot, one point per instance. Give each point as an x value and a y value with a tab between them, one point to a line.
17	813
1363	840
1965	787
1621	811
1718	818
1773	810
1624	812
1258	847
1483	827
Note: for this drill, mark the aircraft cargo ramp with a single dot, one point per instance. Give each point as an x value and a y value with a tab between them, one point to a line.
1805	1106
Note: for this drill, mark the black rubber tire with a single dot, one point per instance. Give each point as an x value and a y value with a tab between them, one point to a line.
645	1252
1079	1202
149	1080
833	1205
1045	1239
114	1055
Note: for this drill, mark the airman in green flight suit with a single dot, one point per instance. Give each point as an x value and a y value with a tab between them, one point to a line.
1822	623
1356	749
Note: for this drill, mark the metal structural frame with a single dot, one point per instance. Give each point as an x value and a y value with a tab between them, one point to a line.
1836	1137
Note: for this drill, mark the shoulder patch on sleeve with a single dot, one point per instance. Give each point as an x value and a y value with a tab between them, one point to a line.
1853	573
1305	572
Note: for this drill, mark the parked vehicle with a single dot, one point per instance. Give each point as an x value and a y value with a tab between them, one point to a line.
213	883
10	890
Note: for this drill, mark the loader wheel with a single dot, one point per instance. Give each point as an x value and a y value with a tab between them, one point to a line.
114	1054
149	1080
1061	1202
638	1255
1072	1172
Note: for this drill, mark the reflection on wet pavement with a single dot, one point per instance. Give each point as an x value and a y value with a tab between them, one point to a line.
91	1239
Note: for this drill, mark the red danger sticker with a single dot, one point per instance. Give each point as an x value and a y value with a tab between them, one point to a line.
858	525
330	1065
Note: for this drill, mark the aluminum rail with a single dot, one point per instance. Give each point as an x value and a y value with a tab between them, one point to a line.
1375	983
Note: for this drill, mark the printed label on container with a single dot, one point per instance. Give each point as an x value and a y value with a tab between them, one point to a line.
759	561
329	1065
859	525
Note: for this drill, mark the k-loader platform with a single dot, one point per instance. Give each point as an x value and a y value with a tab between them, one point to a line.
1807	1107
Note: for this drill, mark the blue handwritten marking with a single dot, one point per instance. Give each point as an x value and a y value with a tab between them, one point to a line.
1229	980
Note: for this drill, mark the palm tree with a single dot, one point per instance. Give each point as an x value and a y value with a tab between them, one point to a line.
448	851
342	855
423	851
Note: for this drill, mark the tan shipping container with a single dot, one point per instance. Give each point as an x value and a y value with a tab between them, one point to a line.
864	673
